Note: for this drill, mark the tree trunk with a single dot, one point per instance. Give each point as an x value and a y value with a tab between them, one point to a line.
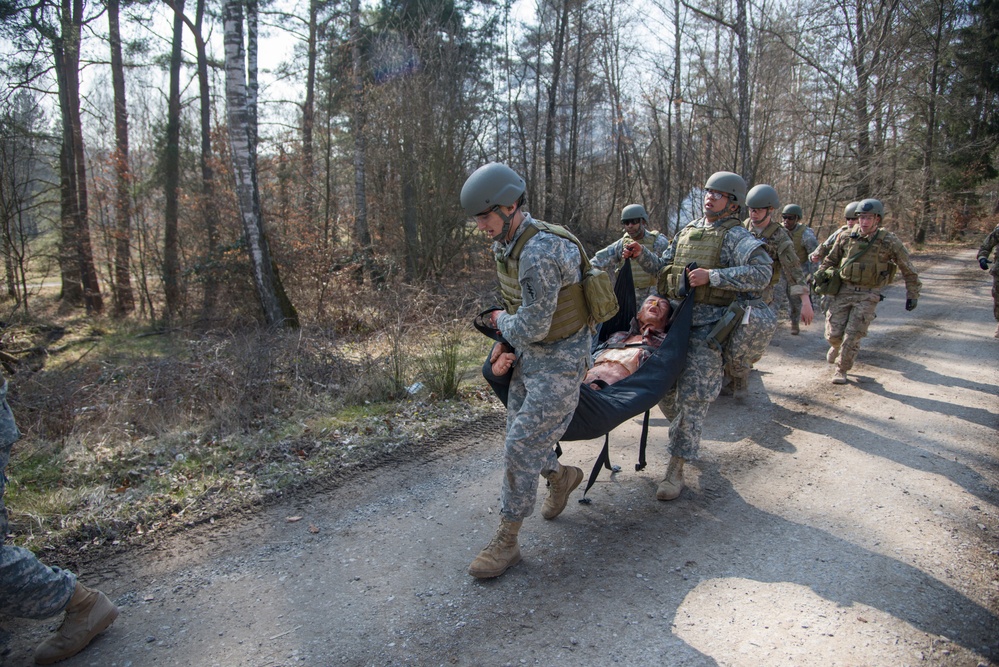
277	310
926	196
73	164
308	118
171	174
362	235
209	208
550	125
124	300
746	165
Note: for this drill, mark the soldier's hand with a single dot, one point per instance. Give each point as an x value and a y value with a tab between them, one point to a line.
910	304
631	250
984	263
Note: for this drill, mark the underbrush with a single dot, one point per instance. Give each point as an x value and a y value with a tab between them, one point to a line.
130	431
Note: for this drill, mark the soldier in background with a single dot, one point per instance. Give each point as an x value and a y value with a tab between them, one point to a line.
805	243
30	589
731	265
990	242
548	327
850	217
750	339
866	260
635	221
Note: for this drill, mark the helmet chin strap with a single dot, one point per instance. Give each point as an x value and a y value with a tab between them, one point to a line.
507	219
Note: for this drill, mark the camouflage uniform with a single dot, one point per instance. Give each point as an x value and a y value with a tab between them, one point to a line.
544	384
28	589
805	243
611	258
990	242
749	341
851	311
744	268
821	251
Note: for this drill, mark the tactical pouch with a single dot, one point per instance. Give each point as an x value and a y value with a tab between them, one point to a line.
828	282
726	325
601	301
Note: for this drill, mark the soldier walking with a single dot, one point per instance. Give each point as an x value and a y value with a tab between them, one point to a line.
805	243
866	259
731	265
546	321
990	242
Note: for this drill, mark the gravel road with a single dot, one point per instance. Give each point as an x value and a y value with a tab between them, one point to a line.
825	525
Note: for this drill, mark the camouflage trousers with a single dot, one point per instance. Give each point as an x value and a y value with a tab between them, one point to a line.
28	588
539	408
749	341
686	405
849	316
995	296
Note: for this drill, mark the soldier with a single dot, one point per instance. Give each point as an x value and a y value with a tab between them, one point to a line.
866	260
731	264
635	221
805	243
850	221
990	242
30	589
750	340
546	321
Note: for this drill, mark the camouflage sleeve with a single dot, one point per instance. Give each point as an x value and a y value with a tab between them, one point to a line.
835	253
809	240
900	256
609	256
661	244
547	263
653	262
788	259
990	242
748	266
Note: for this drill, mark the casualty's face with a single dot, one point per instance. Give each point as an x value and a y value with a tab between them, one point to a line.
654	313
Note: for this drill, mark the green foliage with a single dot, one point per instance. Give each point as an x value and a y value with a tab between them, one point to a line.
439	366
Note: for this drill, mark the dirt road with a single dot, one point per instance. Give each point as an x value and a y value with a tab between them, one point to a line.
825	525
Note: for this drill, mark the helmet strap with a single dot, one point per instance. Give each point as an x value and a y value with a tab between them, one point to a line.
507	219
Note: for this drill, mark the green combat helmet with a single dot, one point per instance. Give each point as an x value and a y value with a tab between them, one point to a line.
851	210
729	183
490	185
634	212
871	206
762	196
793	209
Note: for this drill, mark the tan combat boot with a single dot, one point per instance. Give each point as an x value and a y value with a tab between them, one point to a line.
560	485
740	385
839	377
88	614
996	334
672	484
832	354
502	553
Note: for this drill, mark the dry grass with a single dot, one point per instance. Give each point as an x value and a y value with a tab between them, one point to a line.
130	431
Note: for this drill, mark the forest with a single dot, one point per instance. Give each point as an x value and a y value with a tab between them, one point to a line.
178	181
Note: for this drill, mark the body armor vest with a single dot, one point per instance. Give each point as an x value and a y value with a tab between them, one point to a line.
797	237
642	278
571	313
702	245
862	266
771	247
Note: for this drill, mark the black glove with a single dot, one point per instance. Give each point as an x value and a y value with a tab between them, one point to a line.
910	304
984	263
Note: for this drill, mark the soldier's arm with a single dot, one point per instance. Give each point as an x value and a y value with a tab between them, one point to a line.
609	256
789	264
809	240
900	256
749	267
990	242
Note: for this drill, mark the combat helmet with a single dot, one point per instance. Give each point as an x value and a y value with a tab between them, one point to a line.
871	206
729	183
762	196
493	184
634	212
793	209
851	210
